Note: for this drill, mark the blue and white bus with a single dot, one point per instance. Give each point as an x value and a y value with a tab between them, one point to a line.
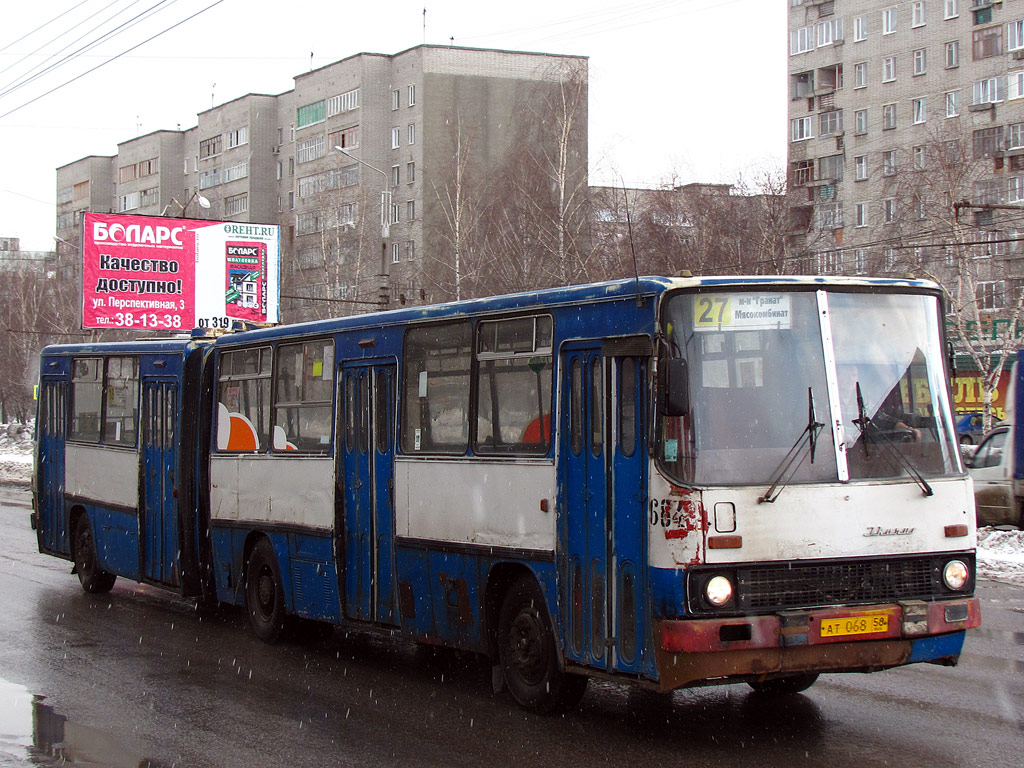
668	481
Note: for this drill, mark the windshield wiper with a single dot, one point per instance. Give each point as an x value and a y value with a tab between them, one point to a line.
794	457
864	423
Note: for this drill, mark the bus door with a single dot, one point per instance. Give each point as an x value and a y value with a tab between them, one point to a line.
603	505
158	517
50	433
367	457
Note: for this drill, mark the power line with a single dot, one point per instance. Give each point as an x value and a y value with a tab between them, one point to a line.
112	58
41	26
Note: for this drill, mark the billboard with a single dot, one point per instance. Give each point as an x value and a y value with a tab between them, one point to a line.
150	273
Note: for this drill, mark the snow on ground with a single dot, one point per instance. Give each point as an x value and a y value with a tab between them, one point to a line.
1000	550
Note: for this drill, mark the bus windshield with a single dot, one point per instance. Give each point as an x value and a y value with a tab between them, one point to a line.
849	383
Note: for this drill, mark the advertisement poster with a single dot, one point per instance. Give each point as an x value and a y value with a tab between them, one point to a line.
153	273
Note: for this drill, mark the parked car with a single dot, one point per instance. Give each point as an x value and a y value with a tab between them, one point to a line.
991	468
969	429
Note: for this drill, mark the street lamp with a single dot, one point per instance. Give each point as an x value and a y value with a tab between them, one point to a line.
203	203
385	226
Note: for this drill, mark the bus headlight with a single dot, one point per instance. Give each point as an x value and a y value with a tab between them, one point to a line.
718	591
955	574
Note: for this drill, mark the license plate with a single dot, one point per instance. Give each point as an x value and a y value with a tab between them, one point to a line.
865	624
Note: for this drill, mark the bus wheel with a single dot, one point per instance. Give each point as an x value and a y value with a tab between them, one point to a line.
782	686
94	579
264	598
529	659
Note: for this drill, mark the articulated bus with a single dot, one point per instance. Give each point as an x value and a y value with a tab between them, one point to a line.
668	481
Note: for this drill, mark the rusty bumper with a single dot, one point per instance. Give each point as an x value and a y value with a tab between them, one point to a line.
695	651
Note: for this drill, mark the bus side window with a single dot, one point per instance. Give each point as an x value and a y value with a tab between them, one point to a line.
435	388
243	400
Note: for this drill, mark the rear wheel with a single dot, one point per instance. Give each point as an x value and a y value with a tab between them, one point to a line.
264	597
93	578
782	686
528	656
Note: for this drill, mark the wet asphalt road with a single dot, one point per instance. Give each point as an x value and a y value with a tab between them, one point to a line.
139	675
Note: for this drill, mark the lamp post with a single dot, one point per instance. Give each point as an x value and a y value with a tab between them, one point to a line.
203	203
385	228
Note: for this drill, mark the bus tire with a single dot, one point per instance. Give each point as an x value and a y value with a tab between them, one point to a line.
528	656
93	578
784	686
264	596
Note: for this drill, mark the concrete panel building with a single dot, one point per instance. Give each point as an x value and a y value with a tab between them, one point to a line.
350	164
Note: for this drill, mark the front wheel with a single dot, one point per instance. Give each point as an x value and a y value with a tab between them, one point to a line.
529	659
264	597
93	578
784	686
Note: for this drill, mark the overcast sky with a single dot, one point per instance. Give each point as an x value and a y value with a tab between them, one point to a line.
687	89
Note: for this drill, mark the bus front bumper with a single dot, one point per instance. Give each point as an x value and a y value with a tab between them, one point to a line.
860	639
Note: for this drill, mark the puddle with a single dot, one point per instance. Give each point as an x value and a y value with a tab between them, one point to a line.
34	734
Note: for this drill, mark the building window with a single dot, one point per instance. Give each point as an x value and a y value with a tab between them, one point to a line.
1015	189
920	109
395	253
860	168
343	102
410	250
987	141
396	138
311	114
988	91
81	190
919	156
888	117
889	259
917	14
238	137
801	128
830	31
888	21
396	175
987	42
236	171
63	195
860	29
889	162
411	93
990	294
860	122
346	138
831	167
130	201
126	173
801	40
830	216
236	204
308	222
860	75
889	210
310	149
951	10
920	61
1015	35
396	213
988	191
209	178
829	262
888	69
412	133
211	147
830	122
860	259
1015	136
396	99
952	54
147	167
347	213
952	103
802	172
346	176
1015	84
410	172
410	210
149	196
861	210
311	185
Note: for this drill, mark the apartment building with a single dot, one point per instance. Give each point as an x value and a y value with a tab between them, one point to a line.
906	138
351	163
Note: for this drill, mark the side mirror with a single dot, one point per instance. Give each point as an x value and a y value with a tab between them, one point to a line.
675	396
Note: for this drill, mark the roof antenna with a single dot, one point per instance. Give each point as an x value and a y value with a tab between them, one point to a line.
632	249
424	25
